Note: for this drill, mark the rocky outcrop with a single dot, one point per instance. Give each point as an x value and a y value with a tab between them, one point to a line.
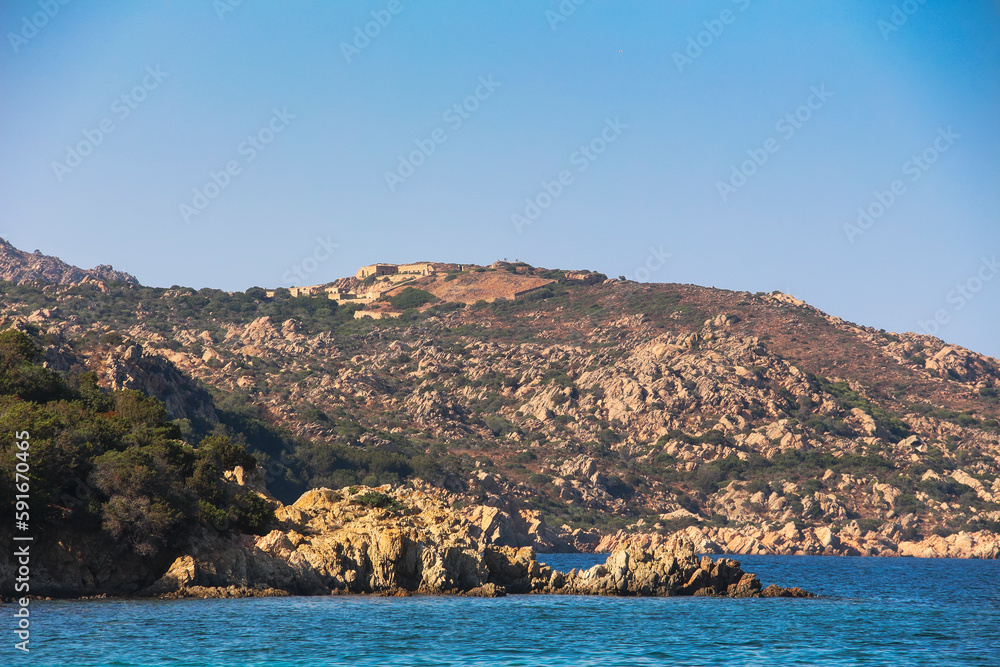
404	541
131	367
958	362
612	401
18	266
75	563
849	540
671	569
981	544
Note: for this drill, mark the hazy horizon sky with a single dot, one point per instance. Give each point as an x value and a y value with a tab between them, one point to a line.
729	143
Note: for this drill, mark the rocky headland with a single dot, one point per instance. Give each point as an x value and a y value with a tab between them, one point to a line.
563	412
385	541
403	541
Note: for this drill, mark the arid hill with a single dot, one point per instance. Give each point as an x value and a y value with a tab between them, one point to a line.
577	415
17	266
469	288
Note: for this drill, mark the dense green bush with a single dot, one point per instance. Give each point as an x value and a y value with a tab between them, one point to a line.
498	426
113	461
849	399
411	297
869	525
618	488
945	414
947	490
540	479
379	500
804	466
907	503
201	309
21	372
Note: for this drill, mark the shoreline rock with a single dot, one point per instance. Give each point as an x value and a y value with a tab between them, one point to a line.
410	542
404	541
504	524
820	541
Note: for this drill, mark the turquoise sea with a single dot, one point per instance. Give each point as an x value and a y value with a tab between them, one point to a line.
872	612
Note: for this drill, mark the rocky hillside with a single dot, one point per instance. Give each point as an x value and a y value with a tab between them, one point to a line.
577	415
17	266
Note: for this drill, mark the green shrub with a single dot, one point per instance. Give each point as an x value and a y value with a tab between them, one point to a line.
907	503
379	500
411	297
253	514
869	525
114	461
21	372
714	437
664	460
849	399
498	426
707	479
811	486
758	486
945	414
675	525
618	488
608	437
944	489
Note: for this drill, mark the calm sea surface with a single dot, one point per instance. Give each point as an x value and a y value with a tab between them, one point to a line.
873	612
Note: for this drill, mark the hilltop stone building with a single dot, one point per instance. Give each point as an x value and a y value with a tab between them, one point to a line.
305	291
420	268
376	270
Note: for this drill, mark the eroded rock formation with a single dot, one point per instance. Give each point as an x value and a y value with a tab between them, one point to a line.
405	541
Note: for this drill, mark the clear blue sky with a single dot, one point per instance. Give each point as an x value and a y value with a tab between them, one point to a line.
676	118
